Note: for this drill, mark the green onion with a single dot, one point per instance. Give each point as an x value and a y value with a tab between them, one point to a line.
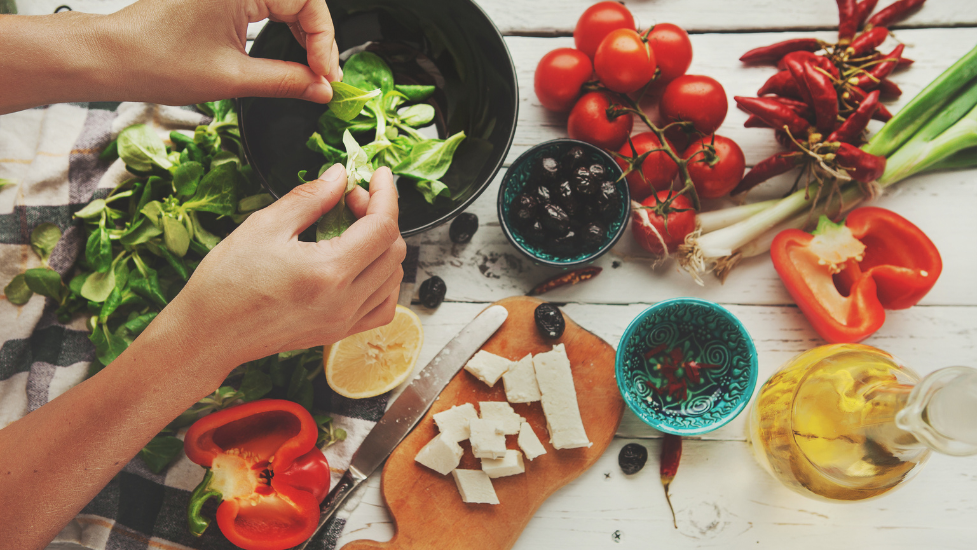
960	160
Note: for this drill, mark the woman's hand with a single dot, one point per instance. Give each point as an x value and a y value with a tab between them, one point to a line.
262	291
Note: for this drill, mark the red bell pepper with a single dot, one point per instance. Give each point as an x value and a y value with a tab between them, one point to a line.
845	275
262	462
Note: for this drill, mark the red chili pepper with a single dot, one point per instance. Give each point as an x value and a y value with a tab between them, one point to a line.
889	89
824	98
882	113
847	20
796	68
861	166
904	62
766	169
773	113
857	95
862	10
754	121
895	13
671	455
782	84
851	130
773	52
262	462
799	107
885	262
817	60
881	70
564	279
867	41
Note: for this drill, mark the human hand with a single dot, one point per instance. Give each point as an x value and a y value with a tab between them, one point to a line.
179	52
262	291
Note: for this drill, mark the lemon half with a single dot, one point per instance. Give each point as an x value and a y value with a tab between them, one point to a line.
376	361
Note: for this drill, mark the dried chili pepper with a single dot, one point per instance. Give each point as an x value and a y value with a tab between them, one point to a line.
861	166
867	41
847	20
754	121
851	129
894	13
796	68
774	113
823	96
882	113
871	79
671	455
857	95
799	107
773	52
889	88
782	84
817	60
766	169
862	10
904	62
565	279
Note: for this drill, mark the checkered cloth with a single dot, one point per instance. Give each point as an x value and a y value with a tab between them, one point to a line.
52	154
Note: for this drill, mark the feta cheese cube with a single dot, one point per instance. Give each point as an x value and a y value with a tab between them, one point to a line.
475	487
487	438
441	455
453	423
559	399
487	367
529	443
509	465
501	411
520	381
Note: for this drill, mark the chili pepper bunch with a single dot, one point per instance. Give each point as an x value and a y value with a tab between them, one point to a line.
675	372
824	95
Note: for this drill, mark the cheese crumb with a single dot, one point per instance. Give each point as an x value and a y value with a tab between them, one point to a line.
453	423
475	487
509	465
520	381
440	455
559	399
487	367
529	443
488	440
503	413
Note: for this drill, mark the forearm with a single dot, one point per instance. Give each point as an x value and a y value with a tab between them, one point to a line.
57	458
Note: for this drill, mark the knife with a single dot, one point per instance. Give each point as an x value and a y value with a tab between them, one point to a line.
408	409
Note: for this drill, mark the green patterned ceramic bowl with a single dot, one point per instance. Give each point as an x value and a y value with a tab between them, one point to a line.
516	179
686	366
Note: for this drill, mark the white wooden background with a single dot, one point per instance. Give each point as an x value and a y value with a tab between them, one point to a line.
721	496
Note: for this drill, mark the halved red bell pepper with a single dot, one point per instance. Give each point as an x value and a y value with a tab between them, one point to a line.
262	461
845	275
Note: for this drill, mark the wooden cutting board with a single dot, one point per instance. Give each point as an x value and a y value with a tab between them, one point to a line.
426	506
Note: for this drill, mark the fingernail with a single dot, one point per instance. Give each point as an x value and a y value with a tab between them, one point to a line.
336	75
333	174
319	92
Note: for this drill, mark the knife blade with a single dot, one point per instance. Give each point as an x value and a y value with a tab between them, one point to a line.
410	407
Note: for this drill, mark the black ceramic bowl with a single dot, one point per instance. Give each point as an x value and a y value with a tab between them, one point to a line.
451	44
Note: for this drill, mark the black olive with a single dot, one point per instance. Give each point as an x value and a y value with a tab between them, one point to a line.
584	184
432	292
566	244
572	159
549	321
542	193
592	236
608	201
463	228
566	198
546	171
632	458
523	211
554	220
596	171
535	233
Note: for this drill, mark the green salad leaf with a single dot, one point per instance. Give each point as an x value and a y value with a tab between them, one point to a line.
367	71
140	148
348	101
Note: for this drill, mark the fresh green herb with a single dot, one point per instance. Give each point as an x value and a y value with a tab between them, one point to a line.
140	148
44	237
17	291
328	434
415	93
160	451
348	101
367	71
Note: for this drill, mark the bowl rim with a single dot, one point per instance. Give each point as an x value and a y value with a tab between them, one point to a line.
508	231
461	206
652	419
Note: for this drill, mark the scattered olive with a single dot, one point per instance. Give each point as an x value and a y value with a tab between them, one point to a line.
549	321
523	211
592	236
632	458
432	292
554	220
463	228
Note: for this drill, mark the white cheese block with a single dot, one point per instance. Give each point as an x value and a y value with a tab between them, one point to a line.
501	411
487	438
475	487
559	399
453	423
440	455
520	381
529	443
487	367
509	465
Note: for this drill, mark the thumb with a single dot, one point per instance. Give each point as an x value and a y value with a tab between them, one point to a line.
305	204
277	78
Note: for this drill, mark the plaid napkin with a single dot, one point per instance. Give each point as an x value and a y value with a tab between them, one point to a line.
51	153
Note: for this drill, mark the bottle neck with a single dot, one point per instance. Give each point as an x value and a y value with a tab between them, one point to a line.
941	411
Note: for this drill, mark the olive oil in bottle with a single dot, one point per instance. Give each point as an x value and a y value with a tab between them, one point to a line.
847	422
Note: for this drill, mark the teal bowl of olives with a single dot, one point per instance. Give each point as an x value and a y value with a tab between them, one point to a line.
563	203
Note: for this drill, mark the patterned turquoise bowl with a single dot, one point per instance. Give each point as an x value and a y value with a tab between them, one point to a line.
725	364
516	179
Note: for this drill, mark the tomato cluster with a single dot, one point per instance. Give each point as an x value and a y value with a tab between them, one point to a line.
601	82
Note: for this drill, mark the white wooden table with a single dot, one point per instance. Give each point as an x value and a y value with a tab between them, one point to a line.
722	498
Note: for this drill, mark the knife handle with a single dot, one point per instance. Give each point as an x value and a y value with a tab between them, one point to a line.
332	503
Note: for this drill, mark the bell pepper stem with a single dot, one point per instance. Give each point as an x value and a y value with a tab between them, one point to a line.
201	494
